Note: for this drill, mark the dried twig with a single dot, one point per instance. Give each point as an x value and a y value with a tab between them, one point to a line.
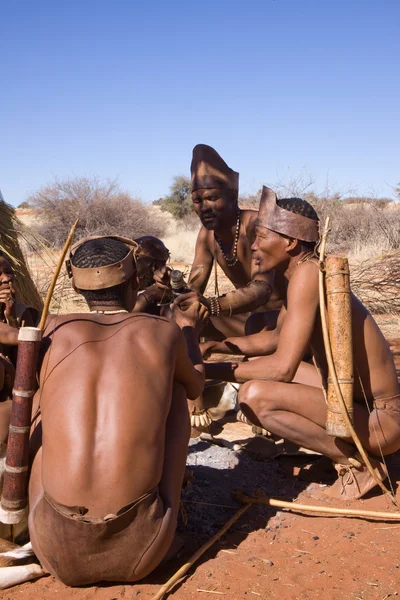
167	587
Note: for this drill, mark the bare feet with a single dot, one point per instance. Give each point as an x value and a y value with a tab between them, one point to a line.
240	416
354	482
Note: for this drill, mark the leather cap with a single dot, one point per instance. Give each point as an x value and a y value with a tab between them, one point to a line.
99	278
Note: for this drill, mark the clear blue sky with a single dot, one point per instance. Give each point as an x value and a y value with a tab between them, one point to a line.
126	89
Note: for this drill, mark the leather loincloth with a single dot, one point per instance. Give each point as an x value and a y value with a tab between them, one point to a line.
391	405
81	550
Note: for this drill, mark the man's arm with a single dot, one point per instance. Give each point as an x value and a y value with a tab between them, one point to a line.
255	294
189	367
150	296
202	263
257	344
294	337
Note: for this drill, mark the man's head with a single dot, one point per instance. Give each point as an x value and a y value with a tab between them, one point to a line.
285	228
7	275
104	271
152	255
214	188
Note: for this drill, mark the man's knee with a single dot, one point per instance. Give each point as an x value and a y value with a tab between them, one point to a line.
251	395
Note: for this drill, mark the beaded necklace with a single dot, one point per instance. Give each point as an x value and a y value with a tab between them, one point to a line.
232	260
109	312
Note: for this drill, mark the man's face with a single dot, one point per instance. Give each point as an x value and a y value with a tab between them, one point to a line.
269	249
214	206
6	274
146	266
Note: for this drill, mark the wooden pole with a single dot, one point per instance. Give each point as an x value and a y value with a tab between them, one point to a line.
14	498
326	510
338	298
167	587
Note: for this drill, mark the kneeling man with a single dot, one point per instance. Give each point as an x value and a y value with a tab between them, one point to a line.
111	411
285	395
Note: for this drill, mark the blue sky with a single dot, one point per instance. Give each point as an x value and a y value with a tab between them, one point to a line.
126	89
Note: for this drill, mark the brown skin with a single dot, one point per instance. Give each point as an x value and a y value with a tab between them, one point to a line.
9	307
217	210
112	430
282	394
9	323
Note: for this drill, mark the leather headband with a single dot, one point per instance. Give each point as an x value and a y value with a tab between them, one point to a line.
273	217
99	278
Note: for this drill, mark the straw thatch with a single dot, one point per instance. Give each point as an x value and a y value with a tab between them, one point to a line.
25	288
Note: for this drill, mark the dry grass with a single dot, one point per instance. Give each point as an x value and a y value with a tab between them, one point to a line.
10	245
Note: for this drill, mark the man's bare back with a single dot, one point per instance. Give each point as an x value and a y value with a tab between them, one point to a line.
109	442
108	380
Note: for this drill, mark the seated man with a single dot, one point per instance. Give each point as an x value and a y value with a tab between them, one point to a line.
105	483
225	238
8	339
15	313
285	395
151	259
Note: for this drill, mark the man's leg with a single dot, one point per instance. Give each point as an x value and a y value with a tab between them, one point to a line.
297	412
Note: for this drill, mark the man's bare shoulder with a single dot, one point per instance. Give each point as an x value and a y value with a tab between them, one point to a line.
305	278
204	236
249	217
92	321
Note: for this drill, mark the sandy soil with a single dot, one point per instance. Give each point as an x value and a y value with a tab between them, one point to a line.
266	554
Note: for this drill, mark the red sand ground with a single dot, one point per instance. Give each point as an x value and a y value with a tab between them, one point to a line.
277	555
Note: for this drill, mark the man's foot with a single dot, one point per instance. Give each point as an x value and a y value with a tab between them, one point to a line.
354	481
240	416
200	422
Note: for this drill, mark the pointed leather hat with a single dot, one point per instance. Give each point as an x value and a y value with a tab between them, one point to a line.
273	217
209	170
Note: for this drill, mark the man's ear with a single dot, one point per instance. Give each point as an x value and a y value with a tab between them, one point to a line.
292	245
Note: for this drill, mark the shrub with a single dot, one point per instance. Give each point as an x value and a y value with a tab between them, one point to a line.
179	200
102	208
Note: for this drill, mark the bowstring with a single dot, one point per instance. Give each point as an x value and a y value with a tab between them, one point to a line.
375	432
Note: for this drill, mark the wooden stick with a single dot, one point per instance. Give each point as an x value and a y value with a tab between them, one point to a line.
183	570
56	274
332	370
16	472
344	512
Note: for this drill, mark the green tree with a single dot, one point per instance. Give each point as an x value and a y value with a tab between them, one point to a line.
179	200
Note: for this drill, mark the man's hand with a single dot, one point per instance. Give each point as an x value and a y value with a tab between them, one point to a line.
7	297
207	348
156	293
162	277
186	300
189	312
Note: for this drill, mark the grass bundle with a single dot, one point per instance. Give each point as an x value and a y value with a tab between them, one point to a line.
9	244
